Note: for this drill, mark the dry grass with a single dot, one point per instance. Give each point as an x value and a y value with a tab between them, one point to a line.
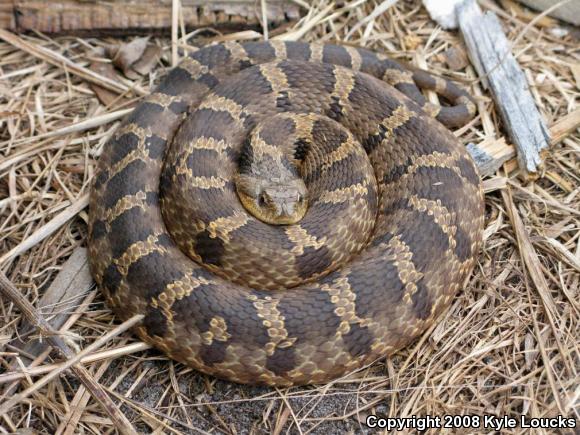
509	344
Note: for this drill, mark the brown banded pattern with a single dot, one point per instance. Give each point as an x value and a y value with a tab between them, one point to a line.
391	233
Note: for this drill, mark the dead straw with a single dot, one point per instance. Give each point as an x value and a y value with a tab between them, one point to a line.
509	344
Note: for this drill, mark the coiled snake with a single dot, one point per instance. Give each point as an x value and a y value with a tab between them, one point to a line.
382	210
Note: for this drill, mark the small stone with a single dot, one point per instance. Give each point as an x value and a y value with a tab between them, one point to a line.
456	58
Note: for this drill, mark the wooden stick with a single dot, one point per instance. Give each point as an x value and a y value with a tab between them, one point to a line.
47	229
564	126
533	266
61	61
101	355
491	154
174	31
28	310
264	19
490	52
61	299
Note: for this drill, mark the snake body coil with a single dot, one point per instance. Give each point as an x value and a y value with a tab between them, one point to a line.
392	226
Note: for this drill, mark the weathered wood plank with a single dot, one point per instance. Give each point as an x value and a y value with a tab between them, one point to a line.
7	20
120	17
490	53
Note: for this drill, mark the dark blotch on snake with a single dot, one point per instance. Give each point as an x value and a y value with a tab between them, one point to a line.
467	169
209	80
301	148
126	143
281	361
336	54
120	184
335	111
313	261
149	269
259	53
283	101
99	230
155	146
396	172
124	238
178	107
176	82
462	244
112	279
358	340
431	235
422	304
298	51
100	179
155	322
214	353
210	249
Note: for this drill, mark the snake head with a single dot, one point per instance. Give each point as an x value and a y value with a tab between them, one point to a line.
275	202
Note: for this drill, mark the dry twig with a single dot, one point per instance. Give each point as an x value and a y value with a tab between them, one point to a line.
507	346
119	420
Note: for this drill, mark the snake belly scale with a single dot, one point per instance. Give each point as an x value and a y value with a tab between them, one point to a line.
166	226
